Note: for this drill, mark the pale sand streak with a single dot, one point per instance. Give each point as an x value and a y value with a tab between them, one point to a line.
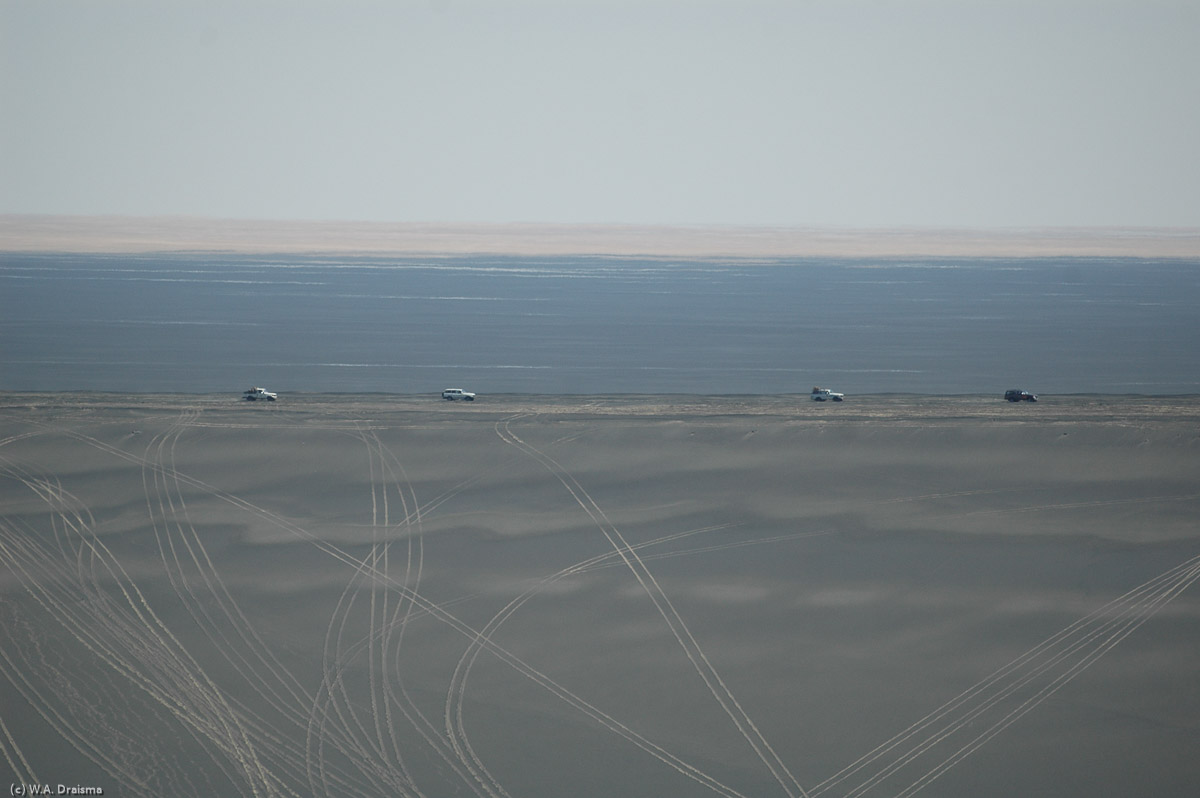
34	233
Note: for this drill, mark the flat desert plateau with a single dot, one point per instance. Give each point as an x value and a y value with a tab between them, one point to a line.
600	596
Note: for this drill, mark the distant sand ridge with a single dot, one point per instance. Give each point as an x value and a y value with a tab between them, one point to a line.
165	234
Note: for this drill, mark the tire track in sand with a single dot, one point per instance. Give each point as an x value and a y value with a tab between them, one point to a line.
1039	672
439	613
708	674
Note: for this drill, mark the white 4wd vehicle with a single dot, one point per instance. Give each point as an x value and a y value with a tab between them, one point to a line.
254	394
458	393
824	394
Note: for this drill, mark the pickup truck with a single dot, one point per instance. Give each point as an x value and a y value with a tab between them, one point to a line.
824	394
254	394
458	393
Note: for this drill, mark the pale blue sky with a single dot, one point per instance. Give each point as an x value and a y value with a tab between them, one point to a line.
831	112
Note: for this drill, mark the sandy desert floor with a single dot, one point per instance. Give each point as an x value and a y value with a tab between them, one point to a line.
600	596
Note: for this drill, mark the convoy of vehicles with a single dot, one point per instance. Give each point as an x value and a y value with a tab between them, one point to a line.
256	394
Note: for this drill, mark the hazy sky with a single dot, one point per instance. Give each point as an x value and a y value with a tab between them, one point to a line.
829	112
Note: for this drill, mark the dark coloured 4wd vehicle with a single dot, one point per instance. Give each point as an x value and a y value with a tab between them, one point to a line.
1020	396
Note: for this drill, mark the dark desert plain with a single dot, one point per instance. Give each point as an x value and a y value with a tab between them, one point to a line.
538	596
600	595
